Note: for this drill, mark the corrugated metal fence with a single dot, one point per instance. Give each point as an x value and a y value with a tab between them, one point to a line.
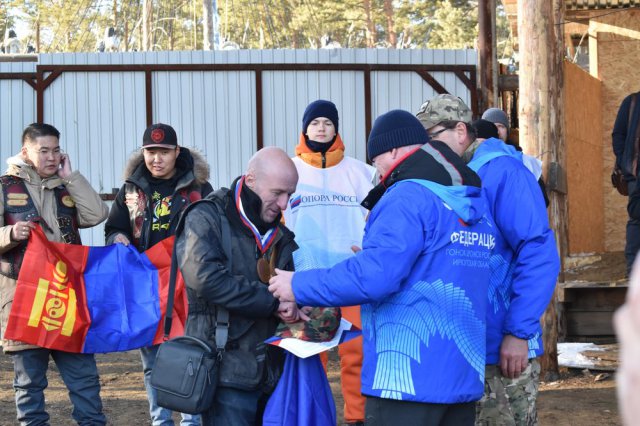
226	104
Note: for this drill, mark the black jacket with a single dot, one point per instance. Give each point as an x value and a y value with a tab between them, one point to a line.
252	309
133	219
623	136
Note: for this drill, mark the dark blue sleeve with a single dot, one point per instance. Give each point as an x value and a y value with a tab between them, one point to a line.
634	203
619	133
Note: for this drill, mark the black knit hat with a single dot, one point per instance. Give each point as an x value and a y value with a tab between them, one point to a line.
320	108
485	129
394	129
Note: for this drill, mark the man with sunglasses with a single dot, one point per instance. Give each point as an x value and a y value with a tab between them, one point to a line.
524	263
248	214
40	187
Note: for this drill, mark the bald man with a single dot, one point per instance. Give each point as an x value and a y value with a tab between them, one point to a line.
249	215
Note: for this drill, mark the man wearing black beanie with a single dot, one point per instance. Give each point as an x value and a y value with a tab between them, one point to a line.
421	278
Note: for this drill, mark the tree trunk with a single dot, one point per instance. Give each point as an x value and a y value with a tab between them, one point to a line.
38	35
125	31
541	130
147	30
392	38
207	25
371	28
487	58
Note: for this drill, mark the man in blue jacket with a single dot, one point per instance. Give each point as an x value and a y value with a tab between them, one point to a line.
524	264
421	278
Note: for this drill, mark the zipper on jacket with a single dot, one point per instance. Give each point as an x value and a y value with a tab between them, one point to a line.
324	160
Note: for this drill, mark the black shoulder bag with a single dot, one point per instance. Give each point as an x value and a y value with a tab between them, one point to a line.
185	375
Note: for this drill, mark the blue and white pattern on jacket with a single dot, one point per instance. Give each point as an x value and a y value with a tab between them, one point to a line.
426	309
500	282
421	279
525	262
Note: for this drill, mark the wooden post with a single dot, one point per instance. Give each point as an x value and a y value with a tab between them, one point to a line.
541	116
487	59
147	23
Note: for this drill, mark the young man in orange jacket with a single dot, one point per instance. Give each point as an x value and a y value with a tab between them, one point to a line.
326	216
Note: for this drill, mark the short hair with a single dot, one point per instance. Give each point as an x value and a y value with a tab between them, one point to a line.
451	124
36	130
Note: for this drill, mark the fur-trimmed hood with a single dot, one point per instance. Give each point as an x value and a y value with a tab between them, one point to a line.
187	159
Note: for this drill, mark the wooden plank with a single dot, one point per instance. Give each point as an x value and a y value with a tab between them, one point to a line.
581	299
589	324
591	284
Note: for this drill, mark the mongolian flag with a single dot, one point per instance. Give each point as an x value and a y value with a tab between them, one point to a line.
94	299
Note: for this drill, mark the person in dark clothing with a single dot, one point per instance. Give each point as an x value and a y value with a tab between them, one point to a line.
499	118
250	212
625	147
161	180
485	129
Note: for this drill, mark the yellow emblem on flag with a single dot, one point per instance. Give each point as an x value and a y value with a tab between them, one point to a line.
55	303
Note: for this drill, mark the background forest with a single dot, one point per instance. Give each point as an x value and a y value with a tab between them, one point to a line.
82	25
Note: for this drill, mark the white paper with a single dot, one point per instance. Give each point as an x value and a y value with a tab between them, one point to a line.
304	349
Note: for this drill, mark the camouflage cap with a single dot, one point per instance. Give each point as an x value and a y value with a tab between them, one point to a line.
443	107
321	327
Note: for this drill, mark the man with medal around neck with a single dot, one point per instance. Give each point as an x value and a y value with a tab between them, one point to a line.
253	209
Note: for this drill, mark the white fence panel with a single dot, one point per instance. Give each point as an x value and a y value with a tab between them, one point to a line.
102	114
17	108
286	94
213	111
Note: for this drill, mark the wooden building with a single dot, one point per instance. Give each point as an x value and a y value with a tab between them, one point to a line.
602	41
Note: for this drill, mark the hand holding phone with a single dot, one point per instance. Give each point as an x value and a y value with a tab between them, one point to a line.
64	170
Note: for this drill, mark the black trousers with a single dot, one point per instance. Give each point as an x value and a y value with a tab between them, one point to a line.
383	412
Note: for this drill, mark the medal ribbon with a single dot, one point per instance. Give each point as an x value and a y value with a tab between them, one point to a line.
263	242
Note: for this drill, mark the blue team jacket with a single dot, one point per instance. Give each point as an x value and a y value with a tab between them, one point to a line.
525	262
422	280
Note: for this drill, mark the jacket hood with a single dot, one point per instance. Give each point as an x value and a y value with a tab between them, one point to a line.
466	201
16	166
187	159
434	162
492	148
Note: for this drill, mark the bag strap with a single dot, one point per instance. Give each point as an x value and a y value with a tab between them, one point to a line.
222	315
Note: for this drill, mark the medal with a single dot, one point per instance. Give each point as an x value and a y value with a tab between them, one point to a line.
266	270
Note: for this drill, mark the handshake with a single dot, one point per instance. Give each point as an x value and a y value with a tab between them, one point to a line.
280	287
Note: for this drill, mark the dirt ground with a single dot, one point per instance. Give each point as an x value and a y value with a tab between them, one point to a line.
576	399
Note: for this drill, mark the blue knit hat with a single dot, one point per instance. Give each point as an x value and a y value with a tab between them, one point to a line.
394	129
320	108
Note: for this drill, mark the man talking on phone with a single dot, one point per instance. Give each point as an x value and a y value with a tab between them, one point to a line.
39	187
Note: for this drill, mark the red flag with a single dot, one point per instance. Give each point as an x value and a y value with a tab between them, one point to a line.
94	299
49	305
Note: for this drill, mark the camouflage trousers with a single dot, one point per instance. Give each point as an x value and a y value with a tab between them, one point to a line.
509	402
